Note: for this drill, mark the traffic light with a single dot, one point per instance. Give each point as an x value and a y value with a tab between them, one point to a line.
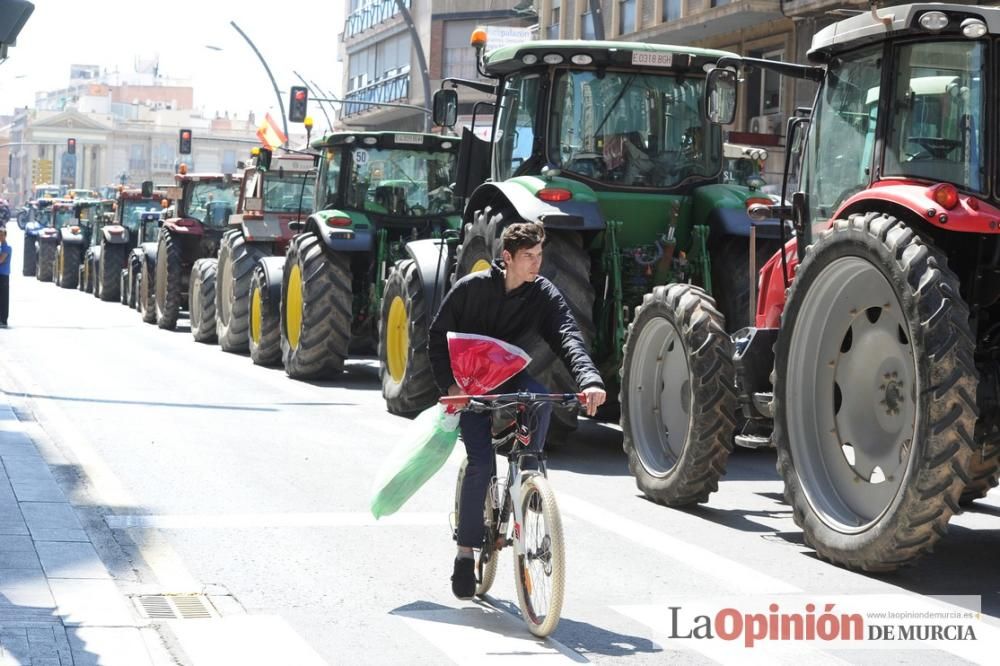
71	146
185	142
297	103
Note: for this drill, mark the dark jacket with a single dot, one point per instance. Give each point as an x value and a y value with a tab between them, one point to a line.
479	304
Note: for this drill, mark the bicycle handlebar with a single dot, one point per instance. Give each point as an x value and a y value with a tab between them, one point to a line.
497	400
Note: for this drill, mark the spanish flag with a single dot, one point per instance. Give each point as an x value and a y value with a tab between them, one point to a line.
270	133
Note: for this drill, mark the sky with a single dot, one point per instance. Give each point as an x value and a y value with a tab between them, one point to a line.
228	77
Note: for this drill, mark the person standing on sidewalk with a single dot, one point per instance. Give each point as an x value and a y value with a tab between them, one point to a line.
5	254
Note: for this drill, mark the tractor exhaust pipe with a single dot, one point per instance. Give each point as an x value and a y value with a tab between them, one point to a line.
753	275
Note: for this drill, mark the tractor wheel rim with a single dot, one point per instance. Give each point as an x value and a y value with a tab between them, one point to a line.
659	397
851	395
293	311
397	339
256	323
480	265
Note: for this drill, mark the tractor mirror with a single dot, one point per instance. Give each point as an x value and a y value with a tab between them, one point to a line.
445	107
720	96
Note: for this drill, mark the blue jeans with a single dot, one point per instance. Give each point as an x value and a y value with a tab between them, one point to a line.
477	435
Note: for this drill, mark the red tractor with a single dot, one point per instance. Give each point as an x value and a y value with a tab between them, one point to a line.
191	231
276	197
873	365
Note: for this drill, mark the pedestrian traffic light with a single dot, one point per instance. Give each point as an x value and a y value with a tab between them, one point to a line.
185	142
297	104
71	146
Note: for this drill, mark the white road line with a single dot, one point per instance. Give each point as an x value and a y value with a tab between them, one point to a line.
262	520
737	577
483	634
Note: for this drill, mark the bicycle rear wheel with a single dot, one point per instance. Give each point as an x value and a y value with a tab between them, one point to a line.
540	573
486	563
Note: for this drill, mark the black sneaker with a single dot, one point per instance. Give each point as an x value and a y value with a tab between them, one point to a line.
463	580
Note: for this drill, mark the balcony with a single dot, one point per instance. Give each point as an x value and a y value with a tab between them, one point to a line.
370	15
393	89
805	8
706	19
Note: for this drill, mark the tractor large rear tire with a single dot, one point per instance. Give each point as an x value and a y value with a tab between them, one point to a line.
201	300
265	322
316	309
677	395
30	261
109	271
46	261
69	265
404	323
984	466
874	394
169	290
731	281
237	259
147	291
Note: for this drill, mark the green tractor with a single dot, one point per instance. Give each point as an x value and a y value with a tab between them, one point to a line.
75	238
278	192
375	192
607	145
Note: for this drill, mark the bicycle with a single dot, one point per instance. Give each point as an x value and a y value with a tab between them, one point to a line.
536	530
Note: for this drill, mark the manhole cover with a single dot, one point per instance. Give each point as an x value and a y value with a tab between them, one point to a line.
174	606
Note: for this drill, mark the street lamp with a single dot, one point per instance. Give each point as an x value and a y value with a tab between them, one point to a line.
277	93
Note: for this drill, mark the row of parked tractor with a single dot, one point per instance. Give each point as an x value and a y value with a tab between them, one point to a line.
864	350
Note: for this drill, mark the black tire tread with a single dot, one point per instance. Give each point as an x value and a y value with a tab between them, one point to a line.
241	257
169	265
268	352
203	312
109	271
46	261
417	390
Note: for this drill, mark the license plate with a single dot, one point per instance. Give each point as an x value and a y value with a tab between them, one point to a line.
410	139
651	59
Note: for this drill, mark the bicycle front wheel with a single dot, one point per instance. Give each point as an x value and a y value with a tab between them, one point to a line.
540	571
486	563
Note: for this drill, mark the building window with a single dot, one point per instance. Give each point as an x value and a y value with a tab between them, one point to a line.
770	86
137	158
626	17
671	10
458	58
552	32
384	60
228	161
587	29
163	156
720	3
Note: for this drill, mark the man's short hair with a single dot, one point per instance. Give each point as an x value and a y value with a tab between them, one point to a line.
521	236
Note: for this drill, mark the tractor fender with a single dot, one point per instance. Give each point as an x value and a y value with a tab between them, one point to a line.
912	200
135	258
114	234
341	238
722	208
67	237
431	258
274	269
184	226
772	292
572	214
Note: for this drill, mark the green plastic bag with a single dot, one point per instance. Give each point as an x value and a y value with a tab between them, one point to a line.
411	464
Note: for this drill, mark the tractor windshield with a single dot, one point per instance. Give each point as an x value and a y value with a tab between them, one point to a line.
133	210
937	116
401	183
64	217
44	217
292	192
620	128
211	202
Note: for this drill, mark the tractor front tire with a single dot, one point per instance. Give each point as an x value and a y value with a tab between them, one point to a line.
109	270
874	394
237	259
30	261
201	300
46	261
316	309
404	324
69	266
169	266
678	398
265	322
731	283
147	291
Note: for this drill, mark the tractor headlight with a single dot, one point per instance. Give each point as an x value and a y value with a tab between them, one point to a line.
529	58
552	59
934	21
973	28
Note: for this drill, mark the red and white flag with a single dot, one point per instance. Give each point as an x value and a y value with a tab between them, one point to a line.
270	133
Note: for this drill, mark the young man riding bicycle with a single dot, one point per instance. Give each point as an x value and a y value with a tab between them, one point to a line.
513	303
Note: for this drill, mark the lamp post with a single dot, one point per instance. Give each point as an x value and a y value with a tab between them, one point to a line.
277	93
421	60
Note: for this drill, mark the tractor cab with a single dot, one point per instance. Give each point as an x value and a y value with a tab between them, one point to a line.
395	176
132	204
63	214
278	192
203	201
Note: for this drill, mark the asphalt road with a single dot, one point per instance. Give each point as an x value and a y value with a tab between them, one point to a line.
200	472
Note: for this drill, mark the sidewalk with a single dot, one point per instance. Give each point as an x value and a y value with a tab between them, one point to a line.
59	606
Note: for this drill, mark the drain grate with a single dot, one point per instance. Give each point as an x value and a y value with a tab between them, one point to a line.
174	606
